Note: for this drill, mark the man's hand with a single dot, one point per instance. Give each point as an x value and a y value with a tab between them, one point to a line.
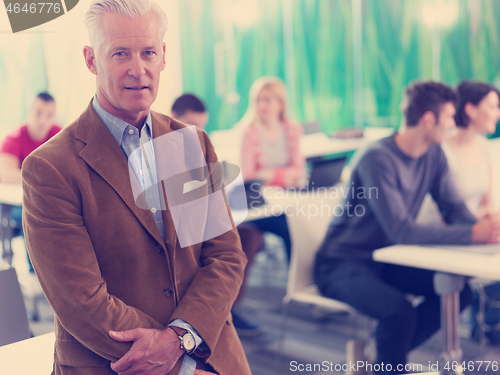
153	352
201	372
487	230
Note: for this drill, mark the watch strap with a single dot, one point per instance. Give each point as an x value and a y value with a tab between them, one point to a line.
178	330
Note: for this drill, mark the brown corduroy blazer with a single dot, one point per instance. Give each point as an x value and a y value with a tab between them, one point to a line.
101	260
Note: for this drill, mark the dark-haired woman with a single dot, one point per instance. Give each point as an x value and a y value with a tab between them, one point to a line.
467	150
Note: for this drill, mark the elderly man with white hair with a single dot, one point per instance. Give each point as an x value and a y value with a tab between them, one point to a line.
138	284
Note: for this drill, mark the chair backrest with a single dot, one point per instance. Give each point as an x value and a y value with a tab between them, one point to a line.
307	231
14	324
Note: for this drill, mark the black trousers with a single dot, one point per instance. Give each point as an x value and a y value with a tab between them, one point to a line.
278	226
378	290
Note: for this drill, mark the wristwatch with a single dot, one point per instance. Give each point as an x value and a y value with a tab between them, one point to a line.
187	339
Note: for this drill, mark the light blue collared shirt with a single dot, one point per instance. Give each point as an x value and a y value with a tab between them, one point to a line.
143	165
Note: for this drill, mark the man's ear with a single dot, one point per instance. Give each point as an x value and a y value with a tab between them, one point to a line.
163	48
88	54
428	119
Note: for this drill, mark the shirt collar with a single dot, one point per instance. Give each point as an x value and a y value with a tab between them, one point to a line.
116	126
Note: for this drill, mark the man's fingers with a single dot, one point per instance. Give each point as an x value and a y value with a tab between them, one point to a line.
124	336
123	363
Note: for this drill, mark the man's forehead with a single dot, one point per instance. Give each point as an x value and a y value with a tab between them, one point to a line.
117	29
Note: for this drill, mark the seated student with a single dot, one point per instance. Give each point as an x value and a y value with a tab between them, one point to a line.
190	110
388	183
270	152
467	150
39	128
470	162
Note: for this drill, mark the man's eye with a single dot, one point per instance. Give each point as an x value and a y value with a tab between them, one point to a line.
150	52
119	53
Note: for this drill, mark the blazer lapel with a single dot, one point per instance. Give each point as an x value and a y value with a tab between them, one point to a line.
106	158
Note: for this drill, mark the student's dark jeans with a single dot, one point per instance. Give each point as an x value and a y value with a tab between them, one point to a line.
16	214
378	290
278	226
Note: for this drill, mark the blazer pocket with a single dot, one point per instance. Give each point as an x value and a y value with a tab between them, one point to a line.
74	354
193	185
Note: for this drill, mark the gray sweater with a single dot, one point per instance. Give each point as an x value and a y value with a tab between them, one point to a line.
383	198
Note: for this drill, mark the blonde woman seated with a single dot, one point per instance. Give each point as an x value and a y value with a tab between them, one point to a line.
270	148
269	151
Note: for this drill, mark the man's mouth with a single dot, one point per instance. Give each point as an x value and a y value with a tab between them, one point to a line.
137	88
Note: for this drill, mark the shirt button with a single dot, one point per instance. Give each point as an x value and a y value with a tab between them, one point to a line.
130	131
159	249
168	292
140	172
153	210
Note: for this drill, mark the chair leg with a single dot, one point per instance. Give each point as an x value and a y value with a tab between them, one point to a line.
282	336
480	316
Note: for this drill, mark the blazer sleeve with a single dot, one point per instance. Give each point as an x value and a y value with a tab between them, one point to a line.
208	300
66	265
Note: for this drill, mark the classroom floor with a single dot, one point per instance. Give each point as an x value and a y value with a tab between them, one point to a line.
312	335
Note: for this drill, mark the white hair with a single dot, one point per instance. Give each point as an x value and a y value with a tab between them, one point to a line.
127	8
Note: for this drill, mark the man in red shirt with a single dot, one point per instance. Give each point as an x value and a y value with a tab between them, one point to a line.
38	129
25	139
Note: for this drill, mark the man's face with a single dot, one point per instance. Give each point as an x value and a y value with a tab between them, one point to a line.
40	119
198	119
445	122
127	64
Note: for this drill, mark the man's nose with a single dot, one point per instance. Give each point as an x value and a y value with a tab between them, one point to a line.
136	66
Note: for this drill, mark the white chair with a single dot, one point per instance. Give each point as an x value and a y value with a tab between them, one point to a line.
307	233
14	324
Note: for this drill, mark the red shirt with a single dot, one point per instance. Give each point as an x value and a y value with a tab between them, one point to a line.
19	144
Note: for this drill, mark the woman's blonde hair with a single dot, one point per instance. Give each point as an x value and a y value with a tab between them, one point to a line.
277	87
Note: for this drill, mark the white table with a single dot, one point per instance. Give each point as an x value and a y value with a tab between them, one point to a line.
479	261
227	143
450	259
10	195
33	356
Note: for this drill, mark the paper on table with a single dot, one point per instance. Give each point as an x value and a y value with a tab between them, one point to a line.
476	249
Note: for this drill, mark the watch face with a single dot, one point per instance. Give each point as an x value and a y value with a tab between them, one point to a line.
188	342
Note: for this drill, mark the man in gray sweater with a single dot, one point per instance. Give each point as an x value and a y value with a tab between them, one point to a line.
388	183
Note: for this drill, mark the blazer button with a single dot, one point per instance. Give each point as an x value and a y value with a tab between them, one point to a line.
159	249
168	292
